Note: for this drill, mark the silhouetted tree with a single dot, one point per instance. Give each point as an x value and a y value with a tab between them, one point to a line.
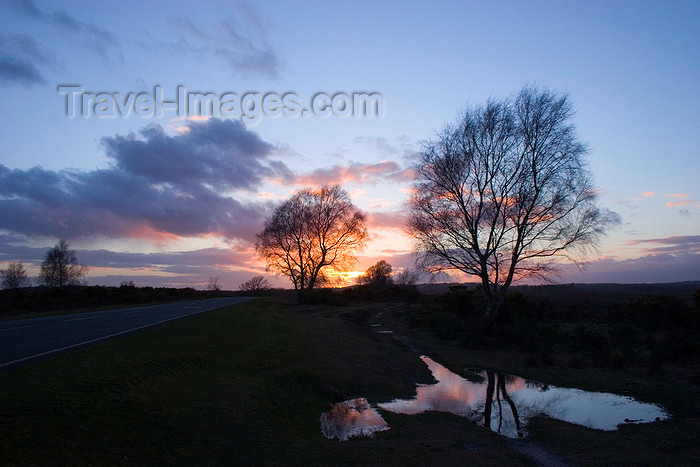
61	267
504	192
408	276
256	284
313	231
15	276
377	275
214	284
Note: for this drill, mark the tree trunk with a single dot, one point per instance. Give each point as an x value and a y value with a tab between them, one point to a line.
489	399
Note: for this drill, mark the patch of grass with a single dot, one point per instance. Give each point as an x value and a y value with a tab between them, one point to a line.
244	384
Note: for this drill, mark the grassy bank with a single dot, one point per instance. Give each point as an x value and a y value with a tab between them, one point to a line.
246	385
240	385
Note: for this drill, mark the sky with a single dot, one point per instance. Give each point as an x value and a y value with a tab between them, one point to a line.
97	149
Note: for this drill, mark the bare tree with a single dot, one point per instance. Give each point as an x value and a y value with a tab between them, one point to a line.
15	276
312	232
61	267
214	284
408	276
378	274
256	284
505	192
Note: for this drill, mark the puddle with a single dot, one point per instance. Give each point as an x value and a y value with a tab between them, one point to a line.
504	403
354	417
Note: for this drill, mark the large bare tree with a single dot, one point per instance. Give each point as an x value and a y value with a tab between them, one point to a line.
61	267
313	231
505	191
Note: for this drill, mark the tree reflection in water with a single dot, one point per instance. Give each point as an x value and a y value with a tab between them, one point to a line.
504	403
353	417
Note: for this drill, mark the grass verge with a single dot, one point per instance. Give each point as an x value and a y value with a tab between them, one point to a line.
239	385
246	385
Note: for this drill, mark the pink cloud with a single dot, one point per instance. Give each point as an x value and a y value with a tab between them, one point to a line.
391	220
683	203
353	172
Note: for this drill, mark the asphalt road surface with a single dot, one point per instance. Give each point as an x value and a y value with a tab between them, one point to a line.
25	339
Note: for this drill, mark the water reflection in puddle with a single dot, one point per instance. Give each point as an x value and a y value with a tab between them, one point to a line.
353	417
504	403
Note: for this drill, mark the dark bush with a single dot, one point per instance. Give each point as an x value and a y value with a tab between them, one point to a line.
677	346
658	312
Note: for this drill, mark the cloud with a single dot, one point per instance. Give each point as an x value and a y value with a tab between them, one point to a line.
177	262
21	59
240	41
356	172
170	269
403	148
683	200
21	71
651	268
683	203
93	38
683	244
390	220
666	259
158	184
221	153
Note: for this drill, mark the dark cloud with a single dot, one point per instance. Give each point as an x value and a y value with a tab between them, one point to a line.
221	153
157	185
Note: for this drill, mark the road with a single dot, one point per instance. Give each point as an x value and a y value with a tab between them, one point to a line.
26	339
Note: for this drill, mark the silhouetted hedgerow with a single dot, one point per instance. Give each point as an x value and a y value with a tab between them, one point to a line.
45	299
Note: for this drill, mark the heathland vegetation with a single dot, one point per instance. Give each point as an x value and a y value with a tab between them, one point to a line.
246	384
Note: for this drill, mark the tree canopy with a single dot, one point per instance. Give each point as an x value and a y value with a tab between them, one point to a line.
61	267
15	276
378	274
314	232
505	191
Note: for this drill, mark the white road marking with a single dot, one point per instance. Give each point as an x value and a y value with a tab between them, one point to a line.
20	327
72	346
